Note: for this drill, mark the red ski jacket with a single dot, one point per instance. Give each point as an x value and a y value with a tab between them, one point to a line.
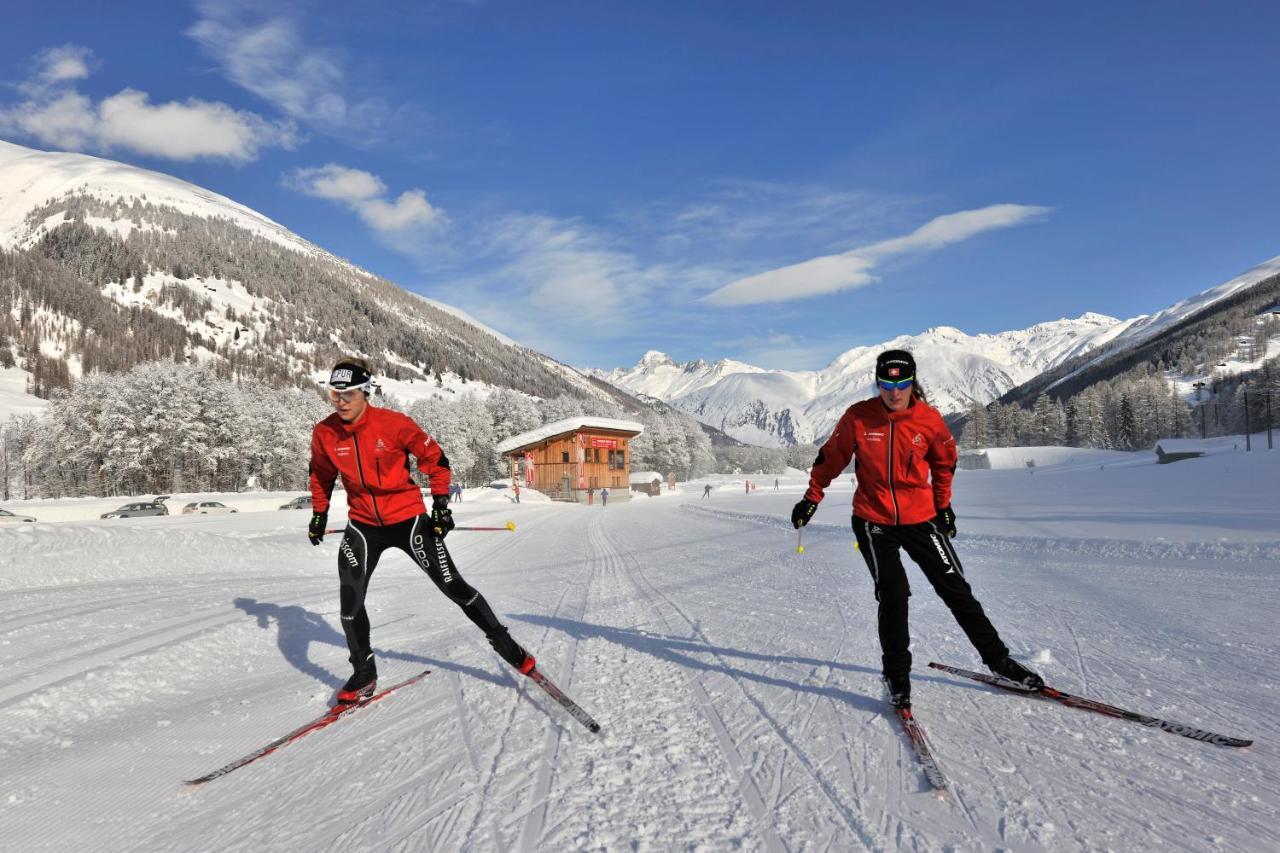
373	457
897	455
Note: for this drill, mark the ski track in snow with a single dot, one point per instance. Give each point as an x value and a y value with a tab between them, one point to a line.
736	682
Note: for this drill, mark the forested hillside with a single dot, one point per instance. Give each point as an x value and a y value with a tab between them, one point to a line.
114	283
1215	372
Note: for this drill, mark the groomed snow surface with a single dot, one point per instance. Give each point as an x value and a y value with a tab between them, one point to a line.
737	682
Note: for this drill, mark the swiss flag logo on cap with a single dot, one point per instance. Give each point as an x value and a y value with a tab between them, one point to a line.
894	371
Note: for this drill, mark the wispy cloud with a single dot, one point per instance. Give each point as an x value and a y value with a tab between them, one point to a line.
56	65
564	266
366	195
53	112
263	50
852	269
780	350
762	216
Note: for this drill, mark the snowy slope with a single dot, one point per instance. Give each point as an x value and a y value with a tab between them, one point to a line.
777	407
14	399
736	681
1145	328
29	179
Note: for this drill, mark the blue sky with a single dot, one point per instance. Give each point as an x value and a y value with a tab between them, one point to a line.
764	181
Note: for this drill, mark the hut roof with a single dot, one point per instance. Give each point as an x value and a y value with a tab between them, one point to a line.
563	427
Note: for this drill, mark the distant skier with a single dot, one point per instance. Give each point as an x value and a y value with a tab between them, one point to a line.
516	489
906	458
591	496
706	490
604	497
370	447
775	484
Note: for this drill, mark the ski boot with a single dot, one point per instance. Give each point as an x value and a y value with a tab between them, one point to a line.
1017	673
899	687
510	651
362	683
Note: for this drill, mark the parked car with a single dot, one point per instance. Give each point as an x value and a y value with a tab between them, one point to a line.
206	508
6	517
302	502
137	510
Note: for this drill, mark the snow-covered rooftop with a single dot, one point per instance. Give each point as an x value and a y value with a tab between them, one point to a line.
644	476
1182	445
561	427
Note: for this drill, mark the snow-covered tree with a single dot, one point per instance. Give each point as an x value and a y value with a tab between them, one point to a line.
975	429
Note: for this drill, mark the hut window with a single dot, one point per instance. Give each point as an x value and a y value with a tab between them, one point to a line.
564	456
621	458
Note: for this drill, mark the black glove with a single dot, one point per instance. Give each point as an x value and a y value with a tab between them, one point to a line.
802	512
441	515
946	521
315	530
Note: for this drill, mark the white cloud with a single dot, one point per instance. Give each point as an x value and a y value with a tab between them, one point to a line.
955	227
56	114
336	183
410	209
852	269
365	194
265	53
66	121
808	278
60	64
190	130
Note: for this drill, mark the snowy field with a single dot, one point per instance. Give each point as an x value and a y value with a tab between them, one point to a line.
737	682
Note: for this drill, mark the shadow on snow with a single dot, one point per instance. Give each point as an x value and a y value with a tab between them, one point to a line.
683	652
298	628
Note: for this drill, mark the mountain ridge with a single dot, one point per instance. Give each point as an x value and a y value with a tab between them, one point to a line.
783	407
104	265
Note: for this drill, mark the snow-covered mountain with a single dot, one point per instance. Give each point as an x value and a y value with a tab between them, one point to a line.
1143	331
1193	333
113	264
30	179
781	407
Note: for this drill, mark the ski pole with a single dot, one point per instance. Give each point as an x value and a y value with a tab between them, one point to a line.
510	525
800	540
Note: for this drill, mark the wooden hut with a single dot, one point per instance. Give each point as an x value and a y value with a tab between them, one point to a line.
1177	449
566	459
646	483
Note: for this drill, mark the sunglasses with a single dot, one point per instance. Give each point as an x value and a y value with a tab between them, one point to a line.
346	396
900	385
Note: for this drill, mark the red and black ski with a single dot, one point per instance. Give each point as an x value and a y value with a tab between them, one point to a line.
1099	708
924	752
328	718
568	704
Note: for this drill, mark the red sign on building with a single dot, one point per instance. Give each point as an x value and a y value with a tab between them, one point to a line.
604	442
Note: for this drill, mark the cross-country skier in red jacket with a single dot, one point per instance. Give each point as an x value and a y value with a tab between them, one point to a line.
905	458
371	449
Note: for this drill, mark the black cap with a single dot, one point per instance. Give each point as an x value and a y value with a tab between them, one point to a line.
348	374
895	365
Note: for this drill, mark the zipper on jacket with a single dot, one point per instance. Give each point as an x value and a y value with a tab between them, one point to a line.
355	442
892	493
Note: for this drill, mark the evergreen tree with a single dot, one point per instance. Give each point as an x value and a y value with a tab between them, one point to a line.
1127	429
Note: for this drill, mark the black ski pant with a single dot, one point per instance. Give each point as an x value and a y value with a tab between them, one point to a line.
358	555
931	550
